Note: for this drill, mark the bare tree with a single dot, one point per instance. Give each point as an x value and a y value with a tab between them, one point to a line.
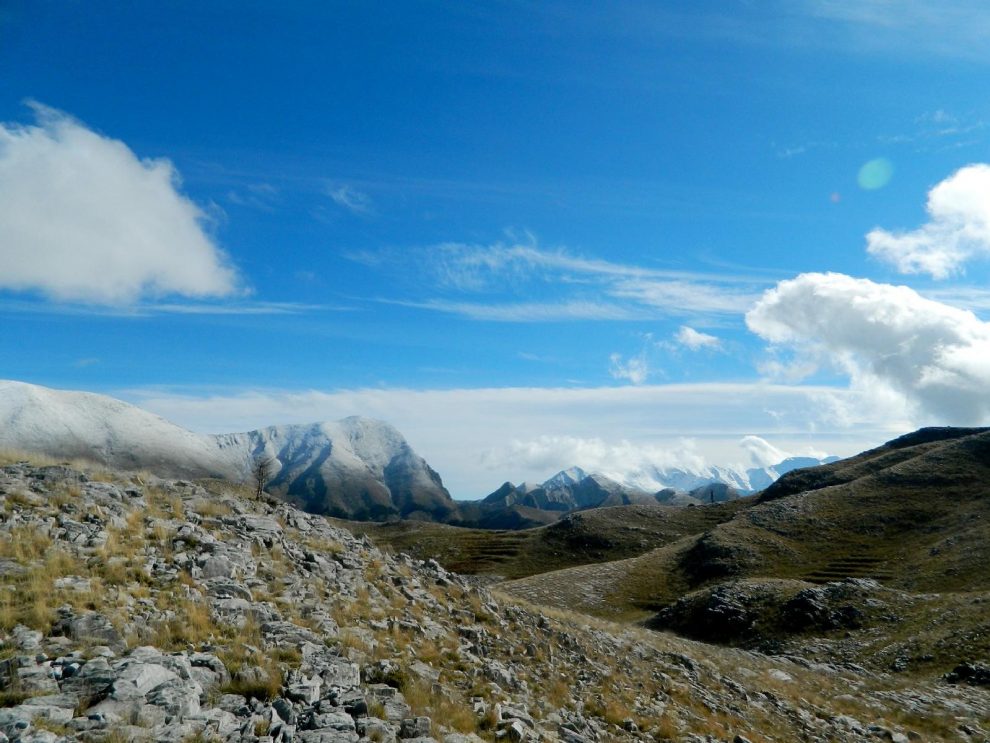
261	471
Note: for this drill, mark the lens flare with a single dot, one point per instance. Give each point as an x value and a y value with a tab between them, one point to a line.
875	174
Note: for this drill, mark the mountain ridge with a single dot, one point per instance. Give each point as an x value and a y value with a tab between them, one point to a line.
353	468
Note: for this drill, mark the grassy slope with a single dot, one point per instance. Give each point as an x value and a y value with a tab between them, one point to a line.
916	517
593	536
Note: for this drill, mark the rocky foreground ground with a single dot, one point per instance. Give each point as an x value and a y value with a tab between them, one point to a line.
133	608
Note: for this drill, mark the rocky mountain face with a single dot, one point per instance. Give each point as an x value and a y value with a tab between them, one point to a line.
139	609
355	468
567	491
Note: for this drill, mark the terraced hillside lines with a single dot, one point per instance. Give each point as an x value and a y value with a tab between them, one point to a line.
853	566
486	552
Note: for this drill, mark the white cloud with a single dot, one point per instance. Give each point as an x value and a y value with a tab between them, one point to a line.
462	431
351	199
892	343
82	218
616	459
958	230
636	369
761	452
696	340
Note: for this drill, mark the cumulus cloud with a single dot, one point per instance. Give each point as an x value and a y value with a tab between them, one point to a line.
890	341
696	340
82	218
957	231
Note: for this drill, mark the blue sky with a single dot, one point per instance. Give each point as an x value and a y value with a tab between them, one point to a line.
523	232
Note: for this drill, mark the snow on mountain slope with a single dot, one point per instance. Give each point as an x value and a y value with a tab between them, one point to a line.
81	424
571	476
746	481
353	468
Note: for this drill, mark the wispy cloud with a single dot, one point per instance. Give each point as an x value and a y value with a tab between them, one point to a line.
938	130
261	196
152	309
528	311
786	152
966	297
351	199
635	369
947	28
695	340
574	286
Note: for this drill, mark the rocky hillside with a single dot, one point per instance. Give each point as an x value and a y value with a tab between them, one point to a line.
355	468
145	609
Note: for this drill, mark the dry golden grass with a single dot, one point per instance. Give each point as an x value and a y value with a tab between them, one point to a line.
326	547
191	626
95	471
439	706
31	598
14	456
163	505
26	544
212	509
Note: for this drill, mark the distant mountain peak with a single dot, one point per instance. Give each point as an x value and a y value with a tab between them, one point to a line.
564	478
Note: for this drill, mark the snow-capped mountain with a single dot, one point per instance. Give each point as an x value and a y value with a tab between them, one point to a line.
565	478
574	488
83	425
744	481
353	468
